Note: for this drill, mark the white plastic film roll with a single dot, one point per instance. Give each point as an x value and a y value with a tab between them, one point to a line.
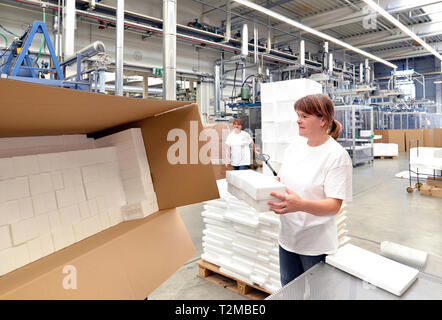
409	256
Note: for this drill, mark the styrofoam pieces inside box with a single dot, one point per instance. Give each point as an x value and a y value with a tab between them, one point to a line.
135	172
52	200
241	240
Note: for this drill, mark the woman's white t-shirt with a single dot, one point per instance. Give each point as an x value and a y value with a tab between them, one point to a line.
239	147
314	173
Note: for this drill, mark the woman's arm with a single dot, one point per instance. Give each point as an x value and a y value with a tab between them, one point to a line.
293	202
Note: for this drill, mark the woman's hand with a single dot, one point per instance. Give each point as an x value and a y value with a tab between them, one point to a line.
289	203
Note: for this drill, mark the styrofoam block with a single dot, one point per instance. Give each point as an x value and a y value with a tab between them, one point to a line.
48	162
7	261
139	210
222	237
34	249
269	132
373	268
217	223
285	110
54	219
70	196
57	180
91	174
9	212
19	232
259	186
93	190
25	165
84	210
72	177
103	219
63	237
21	255
6	168
268	111
219	250
37	226
46	244
14	189
115	216
26	208
5	238
69	215
93	207
343	241
236	275
40	183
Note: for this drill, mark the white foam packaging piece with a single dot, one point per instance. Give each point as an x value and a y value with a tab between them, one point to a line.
385	149
384	273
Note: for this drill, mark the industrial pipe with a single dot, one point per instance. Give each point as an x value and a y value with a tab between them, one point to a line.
169	49
119	49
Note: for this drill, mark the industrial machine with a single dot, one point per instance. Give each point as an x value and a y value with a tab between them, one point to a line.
18	63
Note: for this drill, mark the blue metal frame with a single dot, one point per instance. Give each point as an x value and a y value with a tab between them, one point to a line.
37	27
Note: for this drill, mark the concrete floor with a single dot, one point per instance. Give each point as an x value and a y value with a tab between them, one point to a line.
381	210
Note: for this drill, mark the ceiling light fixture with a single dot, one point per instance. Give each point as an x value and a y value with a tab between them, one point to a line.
313	31
403	28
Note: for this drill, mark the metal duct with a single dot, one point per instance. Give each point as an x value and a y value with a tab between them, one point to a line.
88	51
302	52
361	73
169	49
217	78
69	27
119	49
245	40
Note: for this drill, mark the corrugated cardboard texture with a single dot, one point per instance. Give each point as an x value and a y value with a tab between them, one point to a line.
127	261
28	109
380	133
434	182
412	135
396	136
177	184
428	138
437	137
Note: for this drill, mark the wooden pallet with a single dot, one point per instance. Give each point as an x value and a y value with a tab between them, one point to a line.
211	273
385	157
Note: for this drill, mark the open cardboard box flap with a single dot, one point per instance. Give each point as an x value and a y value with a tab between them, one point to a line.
133	258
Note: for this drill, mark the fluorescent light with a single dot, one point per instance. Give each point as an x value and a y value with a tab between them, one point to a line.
313	31
439	81
396	22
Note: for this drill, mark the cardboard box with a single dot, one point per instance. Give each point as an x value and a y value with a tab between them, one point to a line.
426	190
394	136
412	135
131	259
428	138
220	171
382	133
437	134
437	182
436	192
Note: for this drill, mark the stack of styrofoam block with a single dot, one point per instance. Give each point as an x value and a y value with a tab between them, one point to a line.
279	117
254	188
427	160
135	172
20	146
341	217
50	201
241	241
385	149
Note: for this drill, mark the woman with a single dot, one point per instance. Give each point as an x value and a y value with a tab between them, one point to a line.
318	174
238	151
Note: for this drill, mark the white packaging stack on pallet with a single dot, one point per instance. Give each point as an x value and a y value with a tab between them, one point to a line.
385	150
135	172
279	117
241	241
50	201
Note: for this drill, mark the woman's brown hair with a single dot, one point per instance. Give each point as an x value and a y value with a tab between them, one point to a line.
237	121
321	106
